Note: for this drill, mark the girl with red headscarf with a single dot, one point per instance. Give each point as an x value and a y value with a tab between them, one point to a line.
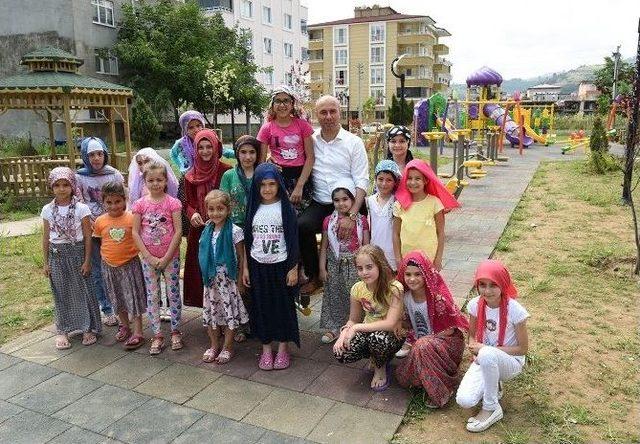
438	324
418	214
203	177
498	339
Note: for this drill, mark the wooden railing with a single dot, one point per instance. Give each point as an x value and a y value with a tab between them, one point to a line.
27	176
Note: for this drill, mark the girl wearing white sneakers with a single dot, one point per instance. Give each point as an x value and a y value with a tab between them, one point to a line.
498	339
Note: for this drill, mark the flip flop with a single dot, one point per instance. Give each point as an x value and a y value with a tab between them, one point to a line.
62	343
89	338
329	337
387	382
134	342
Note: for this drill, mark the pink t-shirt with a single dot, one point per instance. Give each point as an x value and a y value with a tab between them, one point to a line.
156	227
286	144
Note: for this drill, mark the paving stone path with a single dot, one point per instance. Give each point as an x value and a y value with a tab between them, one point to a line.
104	394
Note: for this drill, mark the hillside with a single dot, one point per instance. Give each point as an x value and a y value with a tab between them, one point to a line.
569	80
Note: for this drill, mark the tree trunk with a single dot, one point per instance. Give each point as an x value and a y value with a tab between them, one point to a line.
233	124
631	150
247	118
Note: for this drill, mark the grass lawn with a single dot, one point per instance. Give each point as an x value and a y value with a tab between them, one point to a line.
569	245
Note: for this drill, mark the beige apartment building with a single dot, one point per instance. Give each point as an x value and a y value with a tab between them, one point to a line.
352	58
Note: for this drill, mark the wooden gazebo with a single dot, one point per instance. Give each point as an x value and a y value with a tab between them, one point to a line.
53	89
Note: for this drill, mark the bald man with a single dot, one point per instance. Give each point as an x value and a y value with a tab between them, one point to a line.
338	154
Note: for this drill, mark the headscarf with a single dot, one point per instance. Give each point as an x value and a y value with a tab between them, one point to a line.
255	143
189	147
402	131
136	181
64	226
205	175
224	253
89	145
433	187
289	219
496	272
333	225
296	109
442	309
390	166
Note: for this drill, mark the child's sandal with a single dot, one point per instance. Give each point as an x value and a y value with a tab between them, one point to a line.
210	355
240	336
123	333
224	356
157	344
62	342
134	342
176	340
89	338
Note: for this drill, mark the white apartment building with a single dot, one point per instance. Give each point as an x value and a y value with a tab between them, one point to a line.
279	35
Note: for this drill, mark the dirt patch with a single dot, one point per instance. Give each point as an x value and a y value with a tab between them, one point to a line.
570	248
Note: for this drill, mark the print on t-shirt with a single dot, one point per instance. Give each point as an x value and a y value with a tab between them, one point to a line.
117	234
422	326
270	237
156	223
289	149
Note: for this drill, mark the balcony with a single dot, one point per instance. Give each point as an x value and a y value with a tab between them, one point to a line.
316	44
441	49
414	37
418	82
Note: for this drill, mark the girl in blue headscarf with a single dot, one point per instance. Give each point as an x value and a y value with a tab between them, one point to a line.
271	266
95	173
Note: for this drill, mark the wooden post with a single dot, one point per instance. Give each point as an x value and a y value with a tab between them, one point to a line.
71	148
52	137
112	136
127	133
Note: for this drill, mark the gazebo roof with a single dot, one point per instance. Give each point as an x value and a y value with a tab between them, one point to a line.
55	70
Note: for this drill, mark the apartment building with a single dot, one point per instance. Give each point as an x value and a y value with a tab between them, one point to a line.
351	58
279	33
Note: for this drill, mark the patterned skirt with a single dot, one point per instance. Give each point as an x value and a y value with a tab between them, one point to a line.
76	306
290	175
341	276
273	314
222	304
433	364
125	287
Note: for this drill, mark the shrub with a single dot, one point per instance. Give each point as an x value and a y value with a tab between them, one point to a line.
599	146
144	125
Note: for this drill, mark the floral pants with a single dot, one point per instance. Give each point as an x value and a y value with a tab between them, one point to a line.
154	302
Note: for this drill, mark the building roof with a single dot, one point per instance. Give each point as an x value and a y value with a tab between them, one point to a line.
54	80
377	18
51	53
545	86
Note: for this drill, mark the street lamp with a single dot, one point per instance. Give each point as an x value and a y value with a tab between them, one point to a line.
342	95
401	76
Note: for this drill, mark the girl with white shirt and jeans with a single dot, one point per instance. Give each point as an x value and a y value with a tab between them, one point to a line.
498	339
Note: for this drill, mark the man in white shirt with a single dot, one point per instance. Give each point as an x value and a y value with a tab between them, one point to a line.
338	154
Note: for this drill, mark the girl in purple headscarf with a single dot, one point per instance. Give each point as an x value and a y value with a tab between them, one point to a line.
183	151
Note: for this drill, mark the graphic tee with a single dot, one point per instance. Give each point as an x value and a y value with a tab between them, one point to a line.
117	246
419	315
286	143
156	223
269	245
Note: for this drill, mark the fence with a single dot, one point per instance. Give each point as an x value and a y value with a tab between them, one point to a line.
27	176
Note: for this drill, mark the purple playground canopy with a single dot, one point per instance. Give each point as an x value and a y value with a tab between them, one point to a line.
484	76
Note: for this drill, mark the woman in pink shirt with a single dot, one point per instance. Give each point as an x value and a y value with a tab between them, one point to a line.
288	138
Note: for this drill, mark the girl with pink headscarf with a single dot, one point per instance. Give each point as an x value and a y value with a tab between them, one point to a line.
66	246
498	340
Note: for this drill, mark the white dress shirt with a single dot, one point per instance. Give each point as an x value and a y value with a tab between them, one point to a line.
342	157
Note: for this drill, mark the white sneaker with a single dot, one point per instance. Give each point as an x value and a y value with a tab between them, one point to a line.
480	426
165	314
404	351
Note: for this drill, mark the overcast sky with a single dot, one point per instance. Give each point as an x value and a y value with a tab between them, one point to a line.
551	36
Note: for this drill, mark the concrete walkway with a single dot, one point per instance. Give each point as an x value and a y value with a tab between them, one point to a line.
104	394
20	227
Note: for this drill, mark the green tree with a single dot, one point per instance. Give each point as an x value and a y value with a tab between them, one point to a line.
400	113
599	146
144	125
604	78
369	108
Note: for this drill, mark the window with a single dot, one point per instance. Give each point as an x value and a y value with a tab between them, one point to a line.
103	12
106	63
341	57
341	77
377	75
304	54
288	21
288	78
303	26
266	15
377	32
246	9
268	78
216	5
339	36
408	72
379	115
288	50
97	114
377	54
266	43
378	94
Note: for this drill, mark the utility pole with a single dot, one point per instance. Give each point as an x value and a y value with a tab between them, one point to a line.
616	61
360	74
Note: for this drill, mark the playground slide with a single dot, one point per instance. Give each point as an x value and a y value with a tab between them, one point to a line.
535	136
511	129
448	127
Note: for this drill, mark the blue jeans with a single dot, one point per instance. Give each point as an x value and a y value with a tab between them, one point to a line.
96	277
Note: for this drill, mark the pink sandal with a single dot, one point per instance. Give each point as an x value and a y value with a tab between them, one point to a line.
224	356
123	333
266	361
134	342
283	360
210	355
